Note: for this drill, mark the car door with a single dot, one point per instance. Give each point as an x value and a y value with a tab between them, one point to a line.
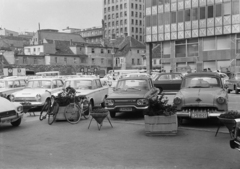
101	90
175	82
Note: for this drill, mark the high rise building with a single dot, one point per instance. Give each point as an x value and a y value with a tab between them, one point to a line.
124	18
184	32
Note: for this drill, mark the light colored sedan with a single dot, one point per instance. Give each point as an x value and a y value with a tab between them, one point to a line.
35	95
10	112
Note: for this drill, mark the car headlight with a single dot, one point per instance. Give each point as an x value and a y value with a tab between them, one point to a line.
20	109
221	100
177	100
109	102
141	102
38	97
12	98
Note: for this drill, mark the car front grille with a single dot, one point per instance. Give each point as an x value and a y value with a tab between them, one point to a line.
125	101
23	99
7	113
200	109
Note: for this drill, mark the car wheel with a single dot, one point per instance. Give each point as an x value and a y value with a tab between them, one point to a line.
112	114
16	123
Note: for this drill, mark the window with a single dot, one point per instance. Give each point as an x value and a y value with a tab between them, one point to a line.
192	47
227	9
136	6
65	60
136	31
93	51
99	85
194	14
166	50
132	6
210	12
121	7
209	43
235	7
125	5
138	61
132	13
132	21
187	15
125	21
140	14
102	51
75	60
180	48
116	15
112	16
125	13
218	10
132	61
93	61
136	14
173	18
140	7
202	13
223	42
121	14
140	22
166	18
22	83
102	60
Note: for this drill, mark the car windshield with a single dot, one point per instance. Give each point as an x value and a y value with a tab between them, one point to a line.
137	85
201	82
39	84
169	77
79	84
9	84
2	84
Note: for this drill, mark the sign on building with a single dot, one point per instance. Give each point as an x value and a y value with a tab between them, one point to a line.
14	72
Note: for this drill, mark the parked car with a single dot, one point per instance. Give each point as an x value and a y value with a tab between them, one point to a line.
131	94
92	88
235	141
201	96
234	83
35	95
10	85
10	112
168	82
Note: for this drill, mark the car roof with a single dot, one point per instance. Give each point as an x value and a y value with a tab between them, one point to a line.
14	78
135	78
202	74
45	79
165	73
82	78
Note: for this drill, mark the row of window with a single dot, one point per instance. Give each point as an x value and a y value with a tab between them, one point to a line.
190	47
120	15
116	1
217	10
137	22
91	33
136	63
150	3
140	7
34	49
117	30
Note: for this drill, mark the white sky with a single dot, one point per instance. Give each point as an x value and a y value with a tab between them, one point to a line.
24	15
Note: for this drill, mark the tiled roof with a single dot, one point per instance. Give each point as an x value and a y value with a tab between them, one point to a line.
62	47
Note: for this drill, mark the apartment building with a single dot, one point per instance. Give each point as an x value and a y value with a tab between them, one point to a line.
124	18
183	32
92	35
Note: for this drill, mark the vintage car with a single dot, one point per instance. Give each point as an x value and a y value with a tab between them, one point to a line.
233	83
201	96
35	94
138	75
131	94
10	112
92	88
168	82
10	85
235	141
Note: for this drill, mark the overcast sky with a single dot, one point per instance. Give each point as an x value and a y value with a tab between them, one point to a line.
24	15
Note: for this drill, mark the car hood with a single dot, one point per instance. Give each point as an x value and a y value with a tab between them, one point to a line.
200	96
29	92
4	89
127	94
6	105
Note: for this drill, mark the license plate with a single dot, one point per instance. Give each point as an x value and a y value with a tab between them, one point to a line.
26	104
125	109
199	115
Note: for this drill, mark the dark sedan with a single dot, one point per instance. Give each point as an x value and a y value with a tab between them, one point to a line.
168	82
131	94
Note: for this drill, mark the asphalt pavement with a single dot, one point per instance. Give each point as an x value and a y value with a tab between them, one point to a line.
35	144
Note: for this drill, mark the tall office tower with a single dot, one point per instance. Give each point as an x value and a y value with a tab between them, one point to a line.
124	18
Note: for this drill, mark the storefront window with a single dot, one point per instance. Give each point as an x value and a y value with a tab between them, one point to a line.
180	48
209	43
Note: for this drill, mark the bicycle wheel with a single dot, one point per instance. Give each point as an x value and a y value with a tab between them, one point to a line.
44	111
72	113
52	113
86	110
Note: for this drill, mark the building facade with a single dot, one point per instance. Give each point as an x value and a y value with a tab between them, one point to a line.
124	18
92	35
183	32
6	32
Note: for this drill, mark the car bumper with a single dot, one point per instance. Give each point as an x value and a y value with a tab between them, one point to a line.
30	105
205	115
133	107
11	118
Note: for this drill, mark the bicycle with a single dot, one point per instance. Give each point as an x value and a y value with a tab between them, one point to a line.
50	108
